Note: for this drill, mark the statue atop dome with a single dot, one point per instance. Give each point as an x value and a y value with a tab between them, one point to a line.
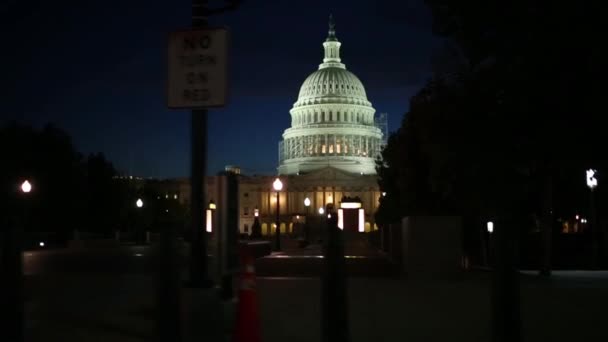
331	36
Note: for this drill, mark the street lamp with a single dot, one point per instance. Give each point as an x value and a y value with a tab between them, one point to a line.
490	226
306	227
26	187
278	186
321	211
139	203
592	184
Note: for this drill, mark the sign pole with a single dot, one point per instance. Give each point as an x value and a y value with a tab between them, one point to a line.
198	253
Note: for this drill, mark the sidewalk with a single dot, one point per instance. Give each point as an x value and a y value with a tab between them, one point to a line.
120	308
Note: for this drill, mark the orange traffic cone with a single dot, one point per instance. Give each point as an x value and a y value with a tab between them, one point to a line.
247	316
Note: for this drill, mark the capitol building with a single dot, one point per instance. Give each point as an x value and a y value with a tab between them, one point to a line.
332	122
328	155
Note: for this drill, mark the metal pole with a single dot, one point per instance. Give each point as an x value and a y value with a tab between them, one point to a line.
278	229
334	289
198	251
12	284
506	320
594	231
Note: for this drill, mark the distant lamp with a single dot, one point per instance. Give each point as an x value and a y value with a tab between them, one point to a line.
256	212
277	185
41	243
26	187
576	217
383	194
490	227
139	203
175	196
321	211
591	179
307	202
212	205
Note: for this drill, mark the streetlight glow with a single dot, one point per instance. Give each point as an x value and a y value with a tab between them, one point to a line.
490	226
277	185
139	203
26	187
307	202
321	211
591	179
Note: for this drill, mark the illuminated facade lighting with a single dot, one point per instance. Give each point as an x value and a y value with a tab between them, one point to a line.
361	220
341	218
350	205
208	221
490	227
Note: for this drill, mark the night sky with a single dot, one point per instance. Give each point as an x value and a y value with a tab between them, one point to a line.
97	69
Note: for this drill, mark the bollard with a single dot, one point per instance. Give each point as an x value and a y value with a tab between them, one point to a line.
334	294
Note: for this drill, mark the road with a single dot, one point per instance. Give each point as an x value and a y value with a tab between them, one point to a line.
109	294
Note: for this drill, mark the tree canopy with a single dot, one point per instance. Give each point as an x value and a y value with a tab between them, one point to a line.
517	109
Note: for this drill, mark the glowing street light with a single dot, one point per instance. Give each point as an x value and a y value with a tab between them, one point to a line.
490	227
321	211
307	202
26	186
277	185
139	203
306	228
591	179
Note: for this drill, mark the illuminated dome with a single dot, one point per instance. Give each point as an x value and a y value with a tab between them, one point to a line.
332	85
332	122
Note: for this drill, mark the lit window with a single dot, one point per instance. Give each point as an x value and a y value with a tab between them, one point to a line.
331	148
323	149
338	148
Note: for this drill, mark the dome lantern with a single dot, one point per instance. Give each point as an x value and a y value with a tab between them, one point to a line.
332	48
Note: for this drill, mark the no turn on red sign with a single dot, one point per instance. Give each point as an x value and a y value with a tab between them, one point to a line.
198	68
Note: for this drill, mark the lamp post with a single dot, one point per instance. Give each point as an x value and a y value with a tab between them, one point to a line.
12	272
278	186
592	184
138	204
306	227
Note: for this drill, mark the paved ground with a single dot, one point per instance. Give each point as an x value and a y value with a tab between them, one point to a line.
115	301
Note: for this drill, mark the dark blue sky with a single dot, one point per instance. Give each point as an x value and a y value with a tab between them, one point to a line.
97	69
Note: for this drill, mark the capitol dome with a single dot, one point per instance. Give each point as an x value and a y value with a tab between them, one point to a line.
332	122
330	85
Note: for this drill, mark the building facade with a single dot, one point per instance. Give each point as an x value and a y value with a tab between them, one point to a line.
327	154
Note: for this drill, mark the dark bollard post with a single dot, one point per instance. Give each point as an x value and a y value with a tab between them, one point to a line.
12	285
334	294
227	248
506	321
168	308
